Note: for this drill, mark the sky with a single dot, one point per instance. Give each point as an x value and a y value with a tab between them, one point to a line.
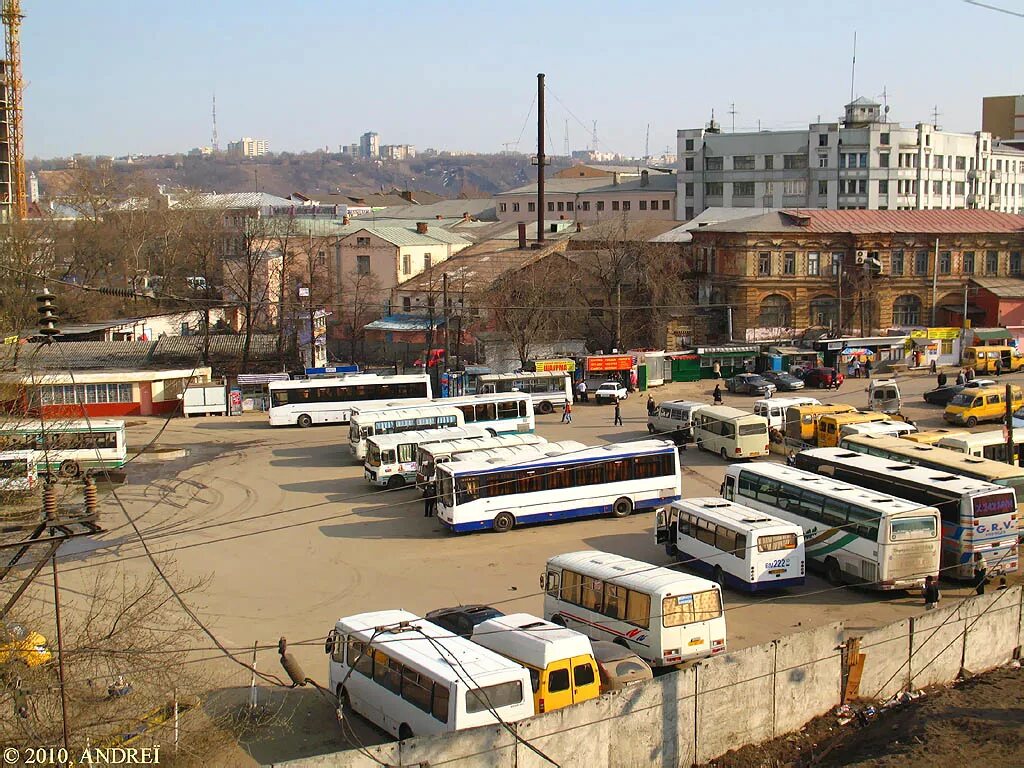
112	77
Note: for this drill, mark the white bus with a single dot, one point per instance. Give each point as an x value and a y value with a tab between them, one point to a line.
550	389
857	535
412	678
665	617
68	447
611	479
730	432
739	546
429	455
502	411
774	409
18	471
887	428
990	444
391	459
330	400
976	516
389	421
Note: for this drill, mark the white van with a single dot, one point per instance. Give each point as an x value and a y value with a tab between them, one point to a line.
774	409
887	427
674	420
884	396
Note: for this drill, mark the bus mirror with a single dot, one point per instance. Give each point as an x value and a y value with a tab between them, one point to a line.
329	642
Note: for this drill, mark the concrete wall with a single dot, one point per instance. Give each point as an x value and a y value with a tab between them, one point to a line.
725	703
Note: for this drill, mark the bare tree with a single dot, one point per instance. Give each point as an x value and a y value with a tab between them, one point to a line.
358	303
27	250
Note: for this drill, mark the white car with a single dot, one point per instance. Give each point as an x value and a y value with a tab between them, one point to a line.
980	383
611	391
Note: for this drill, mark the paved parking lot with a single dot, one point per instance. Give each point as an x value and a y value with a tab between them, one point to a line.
291	537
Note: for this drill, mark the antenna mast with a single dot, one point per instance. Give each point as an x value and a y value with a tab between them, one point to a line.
17	197
853	68
594	134
647	145
214	142
567	151
732	111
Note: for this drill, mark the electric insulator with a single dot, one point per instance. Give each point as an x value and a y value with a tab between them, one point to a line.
50	501
91	496
47	314
294	669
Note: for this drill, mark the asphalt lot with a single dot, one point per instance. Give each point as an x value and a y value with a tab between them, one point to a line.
291	537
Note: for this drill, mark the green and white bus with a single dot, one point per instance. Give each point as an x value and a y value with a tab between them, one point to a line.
68	447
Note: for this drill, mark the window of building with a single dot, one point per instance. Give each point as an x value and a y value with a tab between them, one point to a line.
643	205
600	205
776	312
862	186
743	162
862	160
569	205
502	207
561	206
822	187
961	162
794	187
688	189
837	264
427	260
688	212
936	187
363	265
958	187
689	145
626	205
883	187
938	161
743	189
515	207
794	162
945	262
551	207
813	263
883	138
615	205
531	207
585	205
927	160
713	189
968	262
991	262
688	164
764	263
921	263
666	205
906	310
713	163
883	159
1015	263
406	304
822	139
789	263
362	242
769	162
896	263
824	312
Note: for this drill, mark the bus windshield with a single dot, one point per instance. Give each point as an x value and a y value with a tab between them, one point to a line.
962	399
373	455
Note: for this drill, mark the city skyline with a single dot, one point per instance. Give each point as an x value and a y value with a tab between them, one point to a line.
127	95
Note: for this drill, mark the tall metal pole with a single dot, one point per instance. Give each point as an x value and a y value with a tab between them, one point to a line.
1011	448
444	300
964	319
60	653
540	157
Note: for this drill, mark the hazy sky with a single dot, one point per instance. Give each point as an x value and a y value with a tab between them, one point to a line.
110	77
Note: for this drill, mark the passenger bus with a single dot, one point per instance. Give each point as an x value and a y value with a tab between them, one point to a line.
934	457
986	445
391	459
498	413
774	409
856	535
412	678
931	436
740	547
665	617
509	454
18	471
431	454
730	432
802	420
68	447
550	389
305	402
831	425
389	421
883	427
977	517
615	479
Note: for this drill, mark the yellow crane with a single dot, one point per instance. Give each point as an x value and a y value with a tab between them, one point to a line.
18	201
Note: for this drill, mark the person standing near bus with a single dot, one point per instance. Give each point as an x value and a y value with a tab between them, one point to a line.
651	407
618	415
930	593
567	413
999	366
430	500
581	390
980	573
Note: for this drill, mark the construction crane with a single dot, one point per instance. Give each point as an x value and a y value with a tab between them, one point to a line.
18	195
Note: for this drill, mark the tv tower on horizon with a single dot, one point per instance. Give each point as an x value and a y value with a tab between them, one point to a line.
216	148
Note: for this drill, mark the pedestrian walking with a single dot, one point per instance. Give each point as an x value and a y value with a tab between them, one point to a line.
716	369
961	378
867	368
567	413
581	389
633	379
651	406
931	367
618	415
717	394
999	366
980	574
930	593
941	379
430	500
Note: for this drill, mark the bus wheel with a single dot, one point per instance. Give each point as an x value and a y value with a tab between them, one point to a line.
719	576
343	700
545	407
404	732
833	572
504	522
651	429
972	422
304	420
69	468
725	454
557	619
396	481
622	508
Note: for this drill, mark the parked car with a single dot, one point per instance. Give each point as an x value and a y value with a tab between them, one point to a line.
618	666
980	383
20	645
461	619
823	378
942	395
750	384
610	391
784	382
434	359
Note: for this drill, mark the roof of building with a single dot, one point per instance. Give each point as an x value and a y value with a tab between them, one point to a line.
647	230
656	182
242	200
822	221
707	217
992	334
610	169
1003	287
481	208
863	101
398	232
398	235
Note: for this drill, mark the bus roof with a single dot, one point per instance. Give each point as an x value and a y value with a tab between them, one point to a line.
531	640
635	574
433	658
917	452
350	378
988	437
914	473
524	375
503	454
593	453
726	412
787	401
483	442
426	436
736	515
61	425
405	412
855	417
828	485
486	397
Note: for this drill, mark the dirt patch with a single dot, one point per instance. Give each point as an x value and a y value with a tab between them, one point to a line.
979	721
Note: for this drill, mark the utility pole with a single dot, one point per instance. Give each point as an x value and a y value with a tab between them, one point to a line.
444	300
540	157
1008	428
964	319
60	652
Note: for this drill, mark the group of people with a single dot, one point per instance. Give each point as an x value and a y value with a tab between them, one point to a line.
980	580
965	375
855	367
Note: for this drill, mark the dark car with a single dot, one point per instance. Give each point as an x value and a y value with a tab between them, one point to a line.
942	395
750	384
783	381
461	619
823	378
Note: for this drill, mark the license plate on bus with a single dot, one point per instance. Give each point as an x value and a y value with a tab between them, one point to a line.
777	571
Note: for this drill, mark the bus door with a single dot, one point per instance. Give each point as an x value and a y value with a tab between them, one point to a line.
729	487
555	686
585	684
665	525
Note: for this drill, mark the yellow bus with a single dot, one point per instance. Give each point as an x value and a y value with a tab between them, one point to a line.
933	436
802	420
830	426
983	359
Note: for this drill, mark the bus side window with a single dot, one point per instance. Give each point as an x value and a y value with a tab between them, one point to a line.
551	583
338	650
741	546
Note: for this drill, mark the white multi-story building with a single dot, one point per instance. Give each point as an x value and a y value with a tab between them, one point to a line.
863	162
248	147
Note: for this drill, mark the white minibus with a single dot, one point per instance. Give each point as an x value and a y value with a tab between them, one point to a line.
431	454
990	444
412	678
665	617
673	420
305	402
739	546
18	471
731	433
774	409
550	389
391	459
887	427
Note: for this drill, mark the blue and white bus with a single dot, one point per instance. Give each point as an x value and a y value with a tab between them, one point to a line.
613	479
